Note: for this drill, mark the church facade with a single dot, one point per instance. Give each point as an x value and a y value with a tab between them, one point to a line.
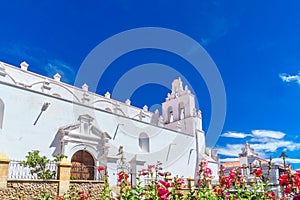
45	114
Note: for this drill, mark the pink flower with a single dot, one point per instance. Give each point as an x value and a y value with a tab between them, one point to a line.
161	174
208	172
164	183
150	168
232	173
203	164
144	172
223	168
163	193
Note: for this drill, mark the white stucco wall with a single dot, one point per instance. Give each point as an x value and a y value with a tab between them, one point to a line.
23	104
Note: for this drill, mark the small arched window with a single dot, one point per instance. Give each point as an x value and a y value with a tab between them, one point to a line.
144	143
1	113
108	109
181	111
170	114
56	94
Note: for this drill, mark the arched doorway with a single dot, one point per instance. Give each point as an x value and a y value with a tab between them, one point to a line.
83	166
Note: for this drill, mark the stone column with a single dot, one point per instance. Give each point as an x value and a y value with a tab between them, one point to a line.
4	163
64	173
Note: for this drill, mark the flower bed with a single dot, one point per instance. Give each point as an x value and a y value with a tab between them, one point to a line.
161	187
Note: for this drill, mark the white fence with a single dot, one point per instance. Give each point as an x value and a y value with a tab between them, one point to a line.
18	171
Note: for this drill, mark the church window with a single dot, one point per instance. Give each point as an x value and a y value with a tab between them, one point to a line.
170	114
144	143
1	113
181	111
56	94
86	128
108	109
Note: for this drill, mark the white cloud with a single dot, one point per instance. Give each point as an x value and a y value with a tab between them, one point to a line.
235	135
39	57
57	66
229	159
290	78
262	141
268	133
255	134
272	145
287	160
230	149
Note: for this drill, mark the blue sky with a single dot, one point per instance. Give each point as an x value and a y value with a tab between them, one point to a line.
254	44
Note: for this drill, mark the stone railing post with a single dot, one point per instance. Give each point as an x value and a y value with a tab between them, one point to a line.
169	179
64	173
4	163
190	182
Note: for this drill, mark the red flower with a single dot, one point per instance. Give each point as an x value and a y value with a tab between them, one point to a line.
122	177
288	189
283	179
219	191
228	182
258	172
101	169
271	195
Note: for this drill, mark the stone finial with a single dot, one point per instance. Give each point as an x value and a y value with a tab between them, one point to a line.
4	163
46	81
128	102
177	86
145	108
179	126
65	162
2	70
85	87
161	121
3	157
24	65
186	88
1	66
199	114
107	95
57	77
169	179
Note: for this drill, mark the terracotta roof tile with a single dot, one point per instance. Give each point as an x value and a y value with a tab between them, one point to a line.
231	164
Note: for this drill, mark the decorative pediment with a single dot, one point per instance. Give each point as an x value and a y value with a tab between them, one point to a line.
82	132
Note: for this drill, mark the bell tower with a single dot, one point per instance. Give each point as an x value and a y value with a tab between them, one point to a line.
179	111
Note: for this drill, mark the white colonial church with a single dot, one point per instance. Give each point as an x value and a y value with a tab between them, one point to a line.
41	113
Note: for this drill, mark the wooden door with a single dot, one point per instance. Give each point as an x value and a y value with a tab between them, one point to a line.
83	166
